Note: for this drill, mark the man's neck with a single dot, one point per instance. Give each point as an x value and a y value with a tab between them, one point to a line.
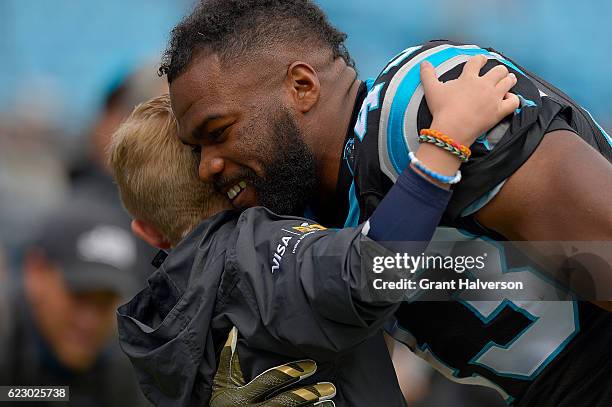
329	153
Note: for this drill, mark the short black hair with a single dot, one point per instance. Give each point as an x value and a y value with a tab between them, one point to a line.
233	27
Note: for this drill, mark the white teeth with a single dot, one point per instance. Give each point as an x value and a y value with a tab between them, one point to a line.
235	190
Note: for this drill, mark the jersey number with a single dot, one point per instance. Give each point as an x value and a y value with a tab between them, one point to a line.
553	323
370	103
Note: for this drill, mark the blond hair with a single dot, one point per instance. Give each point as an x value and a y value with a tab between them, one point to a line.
157	174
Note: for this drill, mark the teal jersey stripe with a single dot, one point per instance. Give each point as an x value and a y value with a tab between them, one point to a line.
352	218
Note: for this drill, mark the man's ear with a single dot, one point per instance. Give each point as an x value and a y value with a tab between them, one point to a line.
304	85
150	234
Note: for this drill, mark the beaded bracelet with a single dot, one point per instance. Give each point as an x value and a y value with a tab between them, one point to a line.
445	179
434	134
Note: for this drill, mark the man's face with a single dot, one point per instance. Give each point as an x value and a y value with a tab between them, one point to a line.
251	146
76	325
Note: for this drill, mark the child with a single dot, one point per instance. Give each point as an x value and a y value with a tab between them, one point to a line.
157	176
292	288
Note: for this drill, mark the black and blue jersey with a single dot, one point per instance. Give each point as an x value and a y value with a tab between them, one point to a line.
532	353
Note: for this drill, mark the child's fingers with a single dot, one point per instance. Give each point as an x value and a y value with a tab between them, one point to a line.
428	77
509	104
496	74
507	83
473	66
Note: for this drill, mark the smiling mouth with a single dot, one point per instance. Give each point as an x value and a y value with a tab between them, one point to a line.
234	191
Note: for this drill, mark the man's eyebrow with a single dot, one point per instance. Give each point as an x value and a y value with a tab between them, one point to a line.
199	129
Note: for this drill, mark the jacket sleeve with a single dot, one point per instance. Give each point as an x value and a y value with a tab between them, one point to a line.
299	284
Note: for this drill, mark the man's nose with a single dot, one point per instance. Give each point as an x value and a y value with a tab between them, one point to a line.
211	164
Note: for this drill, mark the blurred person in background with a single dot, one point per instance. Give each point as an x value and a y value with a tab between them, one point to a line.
57	327
33	176
90	176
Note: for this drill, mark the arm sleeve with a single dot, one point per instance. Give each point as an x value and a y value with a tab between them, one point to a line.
409	212
306	285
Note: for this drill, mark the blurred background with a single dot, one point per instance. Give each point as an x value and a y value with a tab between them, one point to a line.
72	70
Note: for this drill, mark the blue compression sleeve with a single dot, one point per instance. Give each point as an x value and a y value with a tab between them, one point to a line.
410	211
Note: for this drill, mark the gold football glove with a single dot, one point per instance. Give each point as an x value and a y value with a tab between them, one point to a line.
269	388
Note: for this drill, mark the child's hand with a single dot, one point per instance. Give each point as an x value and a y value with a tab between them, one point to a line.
466	107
